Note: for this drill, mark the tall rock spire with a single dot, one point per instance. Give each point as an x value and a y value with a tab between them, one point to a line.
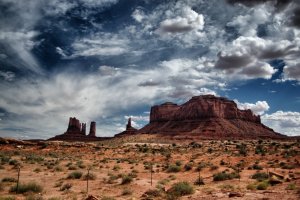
92	129
128	126
83	128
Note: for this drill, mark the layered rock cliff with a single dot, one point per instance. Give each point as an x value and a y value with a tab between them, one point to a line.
207	116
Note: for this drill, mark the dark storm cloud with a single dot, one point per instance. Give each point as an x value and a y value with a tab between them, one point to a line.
233	61
295	18
278	3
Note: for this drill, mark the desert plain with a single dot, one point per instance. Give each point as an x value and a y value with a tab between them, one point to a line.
146	167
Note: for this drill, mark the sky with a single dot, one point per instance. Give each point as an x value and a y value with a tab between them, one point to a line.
106	60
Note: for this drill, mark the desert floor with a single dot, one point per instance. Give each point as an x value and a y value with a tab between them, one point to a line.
120	169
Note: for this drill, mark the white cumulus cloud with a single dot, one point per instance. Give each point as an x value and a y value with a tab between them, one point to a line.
284	122
258	108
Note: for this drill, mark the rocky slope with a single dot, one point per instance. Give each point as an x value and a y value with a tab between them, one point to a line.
207	116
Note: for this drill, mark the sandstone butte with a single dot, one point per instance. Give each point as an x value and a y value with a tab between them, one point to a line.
207	116
76	131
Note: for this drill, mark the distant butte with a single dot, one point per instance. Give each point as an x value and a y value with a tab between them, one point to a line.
207	116
76	131
129	129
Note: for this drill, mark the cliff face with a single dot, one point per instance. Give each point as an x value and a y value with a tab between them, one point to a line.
201	107
207	116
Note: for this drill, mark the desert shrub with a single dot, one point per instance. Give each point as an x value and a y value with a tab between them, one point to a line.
291	186
178	163
112	179
127	191
9	179
209	150
214	167
226	187
8	198
4	159
37	170
195	145
256	167
242	149
251	186
172	177
180	189
260	176
188	166
222	162
116	168
151	193
90	176
58	169
225	176
72	167
126	179
80	164
66	186
27	187
200	166
260	150
262	185
75	175
32	158
13	162
199	181
174	168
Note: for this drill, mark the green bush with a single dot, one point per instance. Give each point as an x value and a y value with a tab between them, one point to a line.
127	191
291	186
126	179
199	181
174	168
58	169
251	186
180	189
188	166
260	176
262	185
27	187
90	176
151	193
225	176
8	198
9	179
13	162
66	186
75	175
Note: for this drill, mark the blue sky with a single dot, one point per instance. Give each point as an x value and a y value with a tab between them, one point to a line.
106	60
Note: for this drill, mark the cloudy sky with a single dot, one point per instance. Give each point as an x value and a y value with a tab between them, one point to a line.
105	60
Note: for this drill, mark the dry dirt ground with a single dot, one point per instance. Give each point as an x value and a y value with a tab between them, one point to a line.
121	169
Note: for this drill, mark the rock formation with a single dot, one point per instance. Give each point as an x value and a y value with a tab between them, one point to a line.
206	116
76	131
129	129
92	130
83	128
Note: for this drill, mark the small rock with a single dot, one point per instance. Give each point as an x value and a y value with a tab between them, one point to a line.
275	180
